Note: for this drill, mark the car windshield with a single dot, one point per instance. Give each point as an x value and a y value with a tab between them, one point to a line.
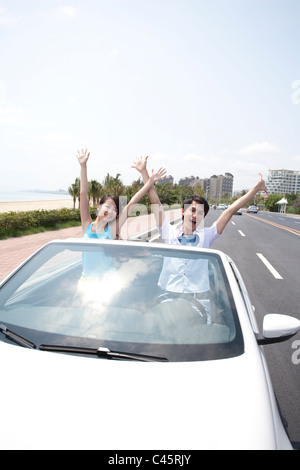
112	295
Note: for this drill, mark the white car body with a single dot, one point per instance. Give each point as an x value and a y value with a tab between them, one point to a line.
58	401
66	402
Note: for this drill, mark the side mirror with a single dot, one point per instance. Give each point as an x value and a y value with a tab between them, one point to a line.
278	328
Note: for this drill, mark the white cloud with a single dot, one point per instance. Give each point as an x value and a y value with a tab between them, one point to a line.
70	12
136	77
112	54
296	94
160	157
194	157
204	166
63	13
6	19
52	144
40	160
259	148
2	93
12	115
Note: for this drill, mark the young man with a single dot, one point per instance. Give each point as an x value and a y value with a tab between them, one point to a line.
182	275
195	208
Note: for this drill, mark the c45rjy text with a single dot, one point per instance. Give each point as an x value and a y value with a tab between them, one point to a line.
156	459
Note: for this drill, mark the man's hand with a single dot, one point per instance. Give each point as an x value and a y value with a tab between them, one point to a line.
82	156
261	184
140	164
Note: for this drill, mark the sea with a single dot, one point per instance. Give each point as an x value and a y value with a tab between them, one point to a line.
16	196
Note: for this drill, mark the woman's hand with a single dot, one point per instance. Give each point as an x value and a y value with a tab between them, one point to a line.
159	175
82	156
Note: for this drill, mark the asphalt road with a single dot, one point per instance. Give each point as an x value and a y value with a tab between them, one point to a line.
277	238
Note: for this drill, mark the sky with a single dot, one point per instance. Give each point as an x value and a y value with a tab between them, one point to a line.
203	87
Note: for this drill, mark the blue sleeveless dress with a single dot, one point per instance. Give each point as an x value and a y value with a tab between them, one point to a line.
96	263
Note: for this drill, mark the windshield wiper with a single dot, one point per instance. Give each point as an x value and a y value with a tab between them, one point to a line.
102	352
16	338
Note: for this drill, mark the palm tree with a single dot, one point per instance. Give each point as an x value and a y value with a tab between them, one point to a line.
113	185
74	191
95	191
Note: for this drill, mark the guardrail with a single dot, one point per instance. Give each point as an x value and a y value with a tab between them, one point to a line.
152	233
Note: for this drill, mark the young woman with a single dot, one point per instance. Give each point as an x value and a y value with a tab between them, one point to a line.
107	225
109	220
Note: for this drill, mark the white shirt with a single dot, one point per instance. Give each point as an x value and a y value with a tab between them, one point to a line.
186	275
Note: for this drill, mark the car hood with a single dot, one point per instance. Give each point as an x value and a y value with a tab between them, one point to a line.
56	401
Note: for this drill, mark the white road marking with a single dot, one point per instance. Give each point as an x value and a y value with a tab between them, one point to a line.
269	266
241	233
233	223
154	237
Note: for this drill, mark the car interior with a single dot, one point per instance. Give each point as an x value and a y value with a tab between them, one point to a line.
124	305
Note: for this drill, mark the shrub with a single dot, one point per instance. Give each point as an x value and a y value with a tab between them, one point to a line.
15	223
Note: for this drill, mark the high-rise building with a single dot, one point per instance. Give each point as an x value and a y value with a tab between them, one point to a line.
283	182
214	187
219	185
189	181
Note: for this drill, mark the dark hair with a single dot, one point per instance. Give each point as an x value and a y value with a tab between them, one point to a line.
114	198
199	200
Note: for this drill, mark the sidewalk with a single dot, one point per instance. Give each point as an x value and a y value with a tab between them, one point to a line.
14	251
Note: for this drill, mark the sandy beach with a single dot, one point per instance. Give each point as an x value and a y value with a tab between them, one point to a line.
36	205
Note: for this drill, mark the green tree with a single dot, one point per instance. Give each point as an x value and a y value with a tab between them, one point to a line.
225	197
164	191
270	203
95	191
293	203
199	191
113	185
296	206
130	191
74	191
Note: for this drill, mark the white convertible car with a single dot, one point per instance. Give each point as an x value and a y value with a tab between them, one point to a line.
95	355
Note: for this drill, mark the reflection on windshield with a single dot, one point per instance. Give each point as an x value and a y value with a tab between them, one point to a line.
95	262
102	289
125	301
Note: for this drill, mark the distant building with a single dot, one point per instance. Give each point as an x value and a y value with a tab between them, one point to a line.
219	185
195	181
283	182
188	180
214	187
